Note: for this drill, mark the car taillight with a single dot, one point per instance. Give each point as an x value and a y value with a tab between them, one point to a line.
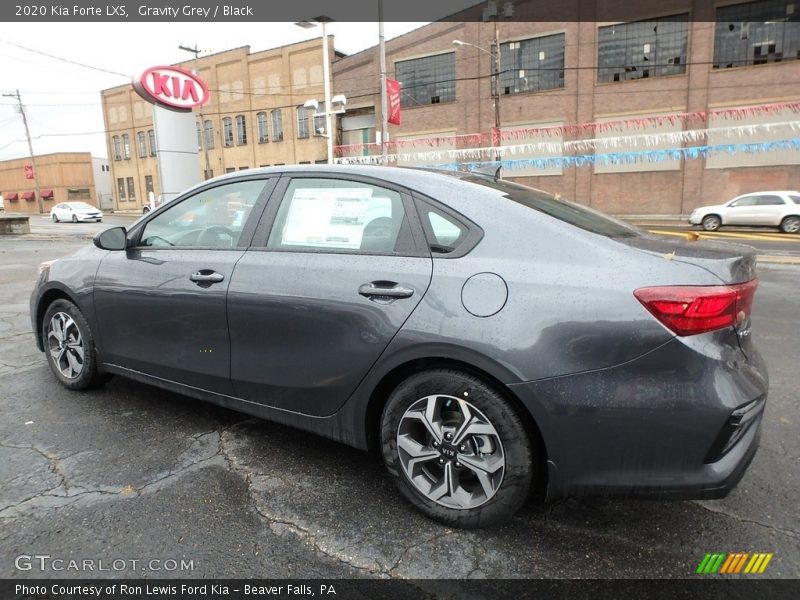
692	309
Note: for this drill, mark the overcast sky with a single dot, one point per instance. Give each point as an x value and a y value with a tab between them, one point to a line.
62	98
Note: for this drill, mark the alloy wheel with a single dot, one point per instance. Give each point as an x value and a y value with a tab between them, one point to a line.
65	344
450	452
711	223
791	225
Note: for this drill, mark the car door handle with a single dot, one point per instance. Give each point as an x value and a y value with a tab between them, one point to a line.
384	289
206	276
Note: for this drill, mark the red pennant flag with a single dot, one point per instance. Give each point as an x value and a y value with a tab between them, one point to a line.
393	94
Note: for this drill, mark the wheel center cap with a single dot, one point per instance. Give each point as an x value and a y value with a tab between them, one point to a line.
448	451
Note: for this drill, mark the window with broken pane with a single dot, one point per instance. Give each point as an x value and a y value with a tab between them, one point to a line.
643	49
757	33
532	65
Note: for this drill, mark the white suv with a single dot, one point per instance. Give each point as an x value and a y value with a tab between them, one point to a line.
767	209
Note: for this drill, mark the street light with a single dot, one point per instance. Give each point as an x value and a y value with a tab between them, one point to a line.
326	76
495	54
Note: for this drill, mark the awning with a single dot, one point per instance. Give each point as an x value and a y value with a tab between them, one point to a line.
11	196
29	196
47	193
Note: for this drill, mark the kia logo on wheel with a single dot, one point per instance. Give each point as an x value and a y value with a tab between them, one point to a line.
172	87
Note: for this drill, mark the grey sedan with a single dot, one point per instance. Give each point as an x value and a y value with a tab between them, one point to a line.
487	338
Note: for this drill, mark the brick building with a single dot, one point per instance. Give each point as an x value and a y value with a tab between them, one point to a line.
63	177
255	117
678	70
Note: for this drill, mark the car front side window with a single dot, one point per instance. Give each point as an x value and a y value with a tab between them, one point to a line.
212	218
746	201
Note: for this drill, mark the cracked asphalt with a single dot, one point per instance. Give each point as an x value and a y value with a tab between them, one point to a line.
133	472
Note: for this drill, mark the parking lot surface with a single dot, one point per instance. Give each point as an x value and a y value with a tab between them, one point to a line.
135	473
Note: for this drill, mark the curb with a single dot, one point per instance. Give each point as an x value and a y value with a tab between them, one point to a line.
774	259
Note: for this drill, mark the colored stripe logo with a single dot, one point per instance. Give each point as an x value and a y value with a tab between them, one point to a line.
734	563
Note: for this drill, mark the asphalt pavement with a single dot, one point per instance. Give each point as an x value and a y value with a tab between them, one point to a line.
133	473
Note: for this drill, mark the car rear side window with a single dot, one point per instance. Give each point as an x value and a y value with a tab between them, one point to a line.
445	232
795	199
769	201
339	215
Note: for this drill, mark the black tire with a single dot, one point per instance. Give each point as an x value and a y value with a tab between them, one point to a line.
74	219
90	376
518	451
711	222
790	224
55	218
145	210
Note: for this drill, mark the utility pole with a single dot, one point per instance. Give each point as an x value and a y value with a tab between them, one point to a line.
496	84
21	109
384	100
326	77
196	51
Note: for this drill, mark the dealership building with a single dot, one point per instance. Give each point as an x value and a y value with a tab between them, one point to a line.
686	104
62	177
255	117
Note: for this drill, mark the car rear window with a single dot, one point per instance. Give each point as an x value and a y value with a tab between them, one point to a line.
575	214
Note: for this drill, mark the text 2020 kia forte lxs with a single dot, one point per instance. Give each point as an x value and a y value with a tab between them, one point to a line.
487	337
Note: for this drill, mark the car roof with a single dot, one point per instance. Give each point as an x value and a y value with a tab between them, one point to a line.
427	181
769	192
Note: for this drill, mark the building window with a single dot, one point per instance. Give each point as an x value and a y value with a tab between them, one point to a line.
126	146
199	136
302	122
277	125
319	119
230	169
532	65
642	49
428	80
78	194
121	188
131	189
227	131
151	139
208	128
756	33
141	144
263	128
241	130
117	150
148	185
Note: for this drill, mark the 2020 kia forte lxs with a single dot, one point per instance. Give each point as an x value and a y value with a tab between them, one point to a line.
487	337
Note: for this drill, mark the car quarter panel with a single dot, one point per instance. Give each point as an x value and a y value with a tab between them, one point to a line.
71	276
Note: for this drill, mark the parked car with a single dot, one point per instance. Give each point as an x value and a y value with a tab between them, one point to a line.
75	212
759	209
487	337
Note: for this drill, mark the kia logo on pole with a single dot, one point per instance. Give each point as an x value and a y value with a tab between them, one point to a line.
172	87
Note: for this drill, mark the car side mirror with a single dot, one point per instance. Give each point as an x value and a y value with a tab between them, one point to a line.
115	238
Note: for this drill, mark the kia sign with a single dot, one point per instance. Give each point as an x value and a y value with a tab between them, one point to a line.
28	172
171	87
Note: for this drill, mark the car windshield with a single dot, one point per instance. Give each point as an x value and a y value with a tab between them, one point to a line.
81	206
575	214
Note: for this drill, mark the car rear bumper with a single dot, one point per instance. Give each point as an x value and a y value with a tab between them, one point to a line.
652	427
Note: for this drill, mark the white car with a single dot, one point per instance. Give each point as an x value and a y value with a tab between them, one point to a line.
75	212
758	209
